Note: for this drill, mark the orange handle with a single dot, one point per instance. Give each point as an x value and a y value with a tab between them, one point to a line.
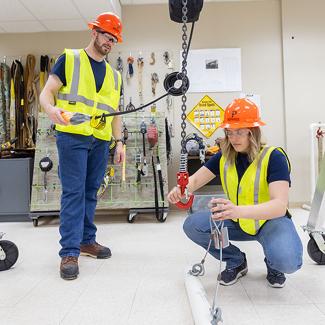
66	116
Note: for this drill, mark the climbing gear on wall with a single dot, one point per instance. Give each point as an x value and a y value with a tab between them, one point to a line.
130	106
154	81
139	167
45	164
166	57
152	134
17	73
140	63
119	65
8	253
4	102
153	59
110	23
241	113
44	70
143	131
125	137
31	101
130	70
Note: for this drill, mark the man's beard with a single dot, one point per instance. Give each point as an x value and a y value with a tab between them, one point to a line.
100	49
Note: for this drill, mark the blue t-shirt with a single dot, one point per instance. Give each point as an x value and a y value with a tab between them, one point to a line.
277	169
99	70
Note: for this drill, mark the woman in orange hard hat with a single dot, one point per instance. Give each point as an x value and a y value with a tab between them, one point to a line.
82	81
255	179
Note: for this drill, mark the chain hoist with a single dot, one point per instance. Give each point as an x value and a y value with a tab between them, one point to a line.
183	175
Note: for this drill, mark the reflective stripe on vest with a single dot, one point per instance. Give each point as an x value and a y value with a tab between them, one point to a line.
72	96
245	192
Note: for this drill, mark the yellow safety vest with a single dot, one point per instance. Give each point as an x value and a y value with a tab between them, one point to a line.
253	187
80	95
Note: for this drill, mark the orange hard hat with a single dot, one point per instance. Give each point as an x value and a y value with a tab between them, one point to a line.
241	113
110	23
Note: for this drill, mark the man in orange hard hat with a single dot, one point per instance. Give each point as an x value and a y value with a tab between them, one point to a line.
82	81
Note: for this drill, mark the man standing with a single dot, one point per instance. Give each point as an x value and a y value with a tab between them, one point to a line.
82	81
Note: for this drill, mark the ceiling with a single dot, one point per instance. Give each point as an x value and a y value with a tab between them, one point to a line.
19	16
27	16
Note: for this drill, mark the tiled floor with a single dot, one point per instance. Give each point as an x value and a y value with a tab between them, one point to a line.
143	283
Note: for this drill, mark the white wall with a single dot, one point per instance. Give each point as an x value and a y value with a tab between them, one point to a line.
304	70
256	28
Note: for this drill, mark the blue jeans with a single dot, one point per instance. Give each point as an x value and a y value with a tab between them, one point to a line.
281	244
82	164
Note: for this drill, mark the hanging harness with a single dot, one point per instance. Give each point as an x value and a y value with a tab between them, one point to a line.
17	73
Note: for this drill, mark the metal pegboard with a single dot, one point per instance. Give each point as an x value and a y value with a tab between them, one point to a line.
117	195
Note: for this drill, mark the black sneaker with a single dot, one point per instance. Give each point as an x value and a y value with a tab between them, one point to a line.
230	276
274	278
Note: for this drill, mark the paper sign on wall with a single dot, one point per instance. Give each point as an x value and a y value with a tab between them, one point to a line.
206	116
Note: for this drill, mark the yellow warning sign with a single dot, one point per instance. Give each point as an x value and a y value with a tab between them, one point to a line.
206	116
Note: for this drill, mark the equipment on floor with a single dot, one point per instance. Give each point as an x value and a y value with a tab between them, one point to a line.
201	310
8	253
316	221
195	146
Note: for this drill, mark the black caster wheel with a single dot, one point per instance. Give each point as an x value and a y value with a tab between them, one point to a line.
314	252
131	217
8	254
35	222
162	216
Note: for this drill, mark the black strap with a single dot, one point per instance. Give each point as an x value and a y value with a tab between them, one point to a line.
156	189
161	185
168	143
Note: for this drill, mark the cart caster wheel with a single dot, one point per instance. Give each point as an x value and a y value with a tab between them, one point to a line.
131	217
162	217
8	254
314	253
35	222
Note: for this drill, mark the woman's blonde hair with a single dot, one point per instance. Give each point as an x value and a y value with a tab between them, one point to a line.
255	145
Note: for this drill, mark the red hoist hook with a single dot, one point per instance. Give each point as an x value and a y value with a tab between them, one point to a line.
182	181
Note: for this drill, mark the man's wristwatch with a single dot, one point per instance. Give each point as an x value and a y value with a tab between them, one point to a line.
118	140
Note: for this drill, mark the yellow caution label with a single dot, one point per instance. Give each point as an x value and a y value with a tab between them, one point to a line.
206	116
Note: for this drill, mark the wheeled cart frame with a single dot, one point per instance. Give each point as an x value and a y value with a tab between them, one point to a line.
316	221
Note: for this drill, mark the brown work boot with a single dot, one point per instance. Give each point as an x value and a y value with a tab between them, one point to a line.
69	269
95	250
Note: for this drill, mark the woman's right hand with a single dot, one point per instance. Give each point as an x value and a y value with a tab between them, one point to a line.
175	195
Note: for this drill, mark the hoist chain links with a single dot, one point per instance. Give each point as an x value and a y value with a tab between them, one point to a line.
184	74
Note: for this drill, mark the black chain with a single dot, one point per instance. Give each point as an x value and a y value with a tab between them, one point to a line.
184	74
